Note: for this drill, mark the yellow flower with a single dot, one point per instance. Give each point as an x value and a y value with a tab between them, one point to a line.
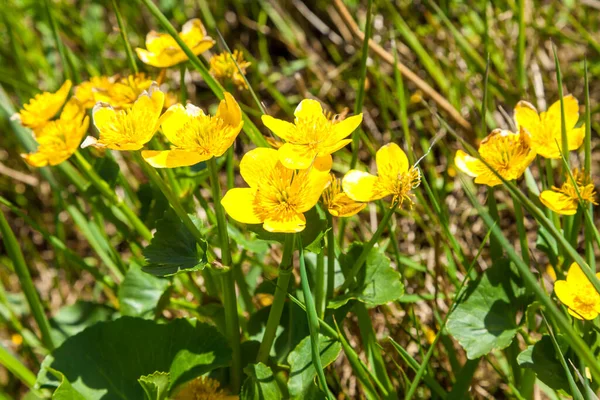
222	67
163	51
545	128
578	294
311	135
507	152
564	200
203	388
195	136
127	129
337	202
394	177
277	196
43	107
87	92
59	139
125	91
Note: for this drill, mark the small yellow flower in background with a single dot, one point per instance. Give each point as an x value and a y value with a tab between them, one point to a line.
277	196
545	128
564	200
311	135
128	129
87	92
394	177
337	202
124	92
163	51
551	272
195	136
578	294
507	152
203	388
43	107
223	67
59	139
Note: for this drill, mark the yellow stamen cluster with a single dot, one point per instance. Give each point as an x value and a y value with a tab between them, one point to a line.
223	67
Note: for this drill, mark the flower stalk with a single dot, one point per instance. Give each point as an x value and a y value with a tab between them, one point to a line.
281	291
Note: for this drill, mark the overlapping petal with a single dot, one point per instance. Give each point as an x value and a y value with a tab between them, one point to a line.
43	107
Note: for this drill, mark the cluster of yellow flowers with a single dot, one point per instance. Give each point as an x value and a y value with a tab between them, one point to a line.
510	153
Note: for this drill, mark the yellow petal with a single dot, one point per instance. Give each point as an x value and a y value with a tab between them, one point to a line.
526	116
296	156
559	202
575	137
174	119
281	128
239	204
309	108
344	206
571	106
576	277
576	314
564	292
229	111
194	35
468	164
286	223
36	159
258	164
335	147
344	128
323	163
308	186
146	57
391	161
173	158
361	186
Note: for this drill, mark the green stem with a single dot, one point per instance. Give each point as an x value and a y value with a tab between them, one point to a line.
182	87
281	290
367	248
313	323
229	296
15	366
320	288
14	252
495	248
521	76
330	257
123	31
521	229
59	44
589	229
112	197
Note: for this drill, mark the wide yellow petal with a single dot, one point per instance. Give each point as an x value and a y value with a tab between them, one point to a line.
258	164
147	57
289	222
239	204
571	106
283	129
36	159
361	186
576	277
564	292
391	161
297	156
173	158
194	35
175	118
229	111
575	137
344	128
526	116
308	109
335	147
344	206
308	187
559	202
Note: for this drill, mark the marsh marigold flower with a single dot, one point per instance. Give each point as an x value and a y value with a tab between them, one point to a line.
128	129
394	177
578	294
507	152
195	136
311	135
545	128
277	196
163	51
337	202
87	92
59	139
564	199
43	107
203	388
223	67
123	92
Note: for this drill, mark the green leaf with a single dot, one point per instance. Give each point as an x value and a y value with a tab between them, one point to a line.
250	244
485	317
154	204
64	391
302	372
173	250
106	360
547	244
543	360
156	385
140	293
377	282
260	384
71	320
316	226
